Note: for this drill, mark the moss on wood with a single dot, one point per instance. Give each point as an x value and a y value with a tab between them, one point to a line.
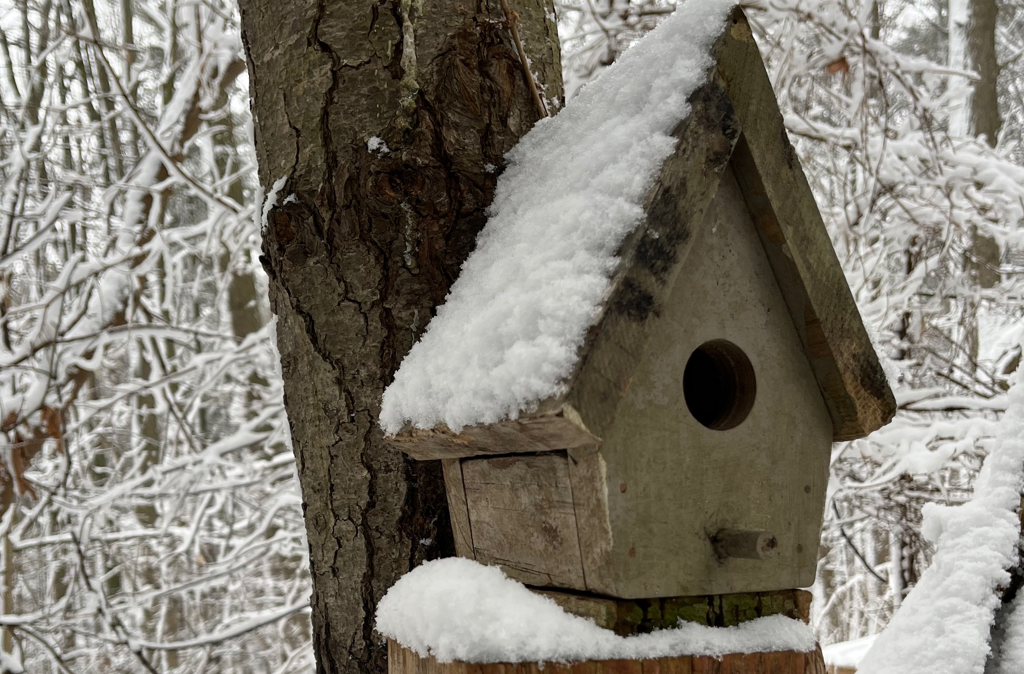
641	616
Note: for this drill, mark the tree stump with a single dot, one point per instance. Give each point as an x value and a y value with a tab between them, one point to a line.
401	660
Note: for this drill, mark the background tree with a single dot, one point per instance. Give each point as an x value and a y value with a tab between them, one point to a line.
149	517
380	132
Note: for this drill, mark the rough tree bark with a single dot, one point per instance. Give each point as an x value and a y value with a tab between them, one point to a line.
984	122
981	58
388	120
973	47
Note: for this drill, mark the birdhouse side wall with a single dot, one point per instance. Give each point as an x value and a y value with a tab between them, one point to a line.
521	516
529	514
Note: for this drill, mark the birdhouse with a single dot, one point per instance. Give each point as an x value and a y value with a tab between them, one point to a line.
687	451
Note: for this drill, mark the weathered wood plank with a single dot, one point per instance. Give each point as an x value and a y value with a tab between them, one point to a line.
739	664
786	663
543	432
455	490
704	664
798	245
590	497
814	662
623	666
522	518
677	665
588	667
404	661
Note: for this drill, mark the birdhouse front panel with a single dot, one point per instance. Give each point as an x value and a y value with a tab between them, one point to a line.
723	435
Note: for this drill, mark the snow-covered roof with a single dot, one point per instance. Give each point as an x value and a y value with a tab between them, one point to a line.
509	334
458	609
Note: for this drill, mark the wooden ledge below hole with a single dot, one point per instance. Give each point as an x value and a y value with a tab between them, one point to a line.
401	660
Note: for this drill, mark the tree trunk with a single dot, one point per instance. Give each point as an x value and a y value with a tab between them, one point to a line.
984	122
388	121
981	58
972	46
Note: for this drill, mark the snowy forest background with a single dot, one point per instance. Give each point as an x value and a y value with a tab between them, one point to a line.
150	518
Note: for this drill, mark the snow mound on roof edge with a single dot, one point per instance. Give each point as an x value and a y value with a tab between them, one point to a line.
458	609
944	624
509	332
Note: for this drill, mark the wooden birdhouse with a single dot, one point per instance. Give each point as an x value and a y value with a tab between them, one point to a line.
688	451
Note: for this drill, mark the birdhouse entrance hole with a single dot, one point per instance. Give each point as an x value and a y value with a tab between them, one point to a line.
719	385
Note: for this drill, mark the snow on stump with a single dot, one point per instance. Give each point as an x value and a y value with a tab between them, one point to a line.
845	657
455	616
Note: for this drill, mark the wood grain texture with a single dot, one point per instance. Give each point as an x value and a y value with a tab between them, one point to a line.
523	519
798	245
540	433
401	660
457	509
590	499
681	665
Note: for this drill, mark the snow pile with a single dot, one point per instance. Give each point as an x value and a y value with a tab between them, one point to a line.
508	335
458	609
945	622
847	654
10	664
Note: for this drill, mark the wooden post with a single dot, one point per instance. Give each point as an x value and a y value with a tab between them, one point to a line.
401	660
